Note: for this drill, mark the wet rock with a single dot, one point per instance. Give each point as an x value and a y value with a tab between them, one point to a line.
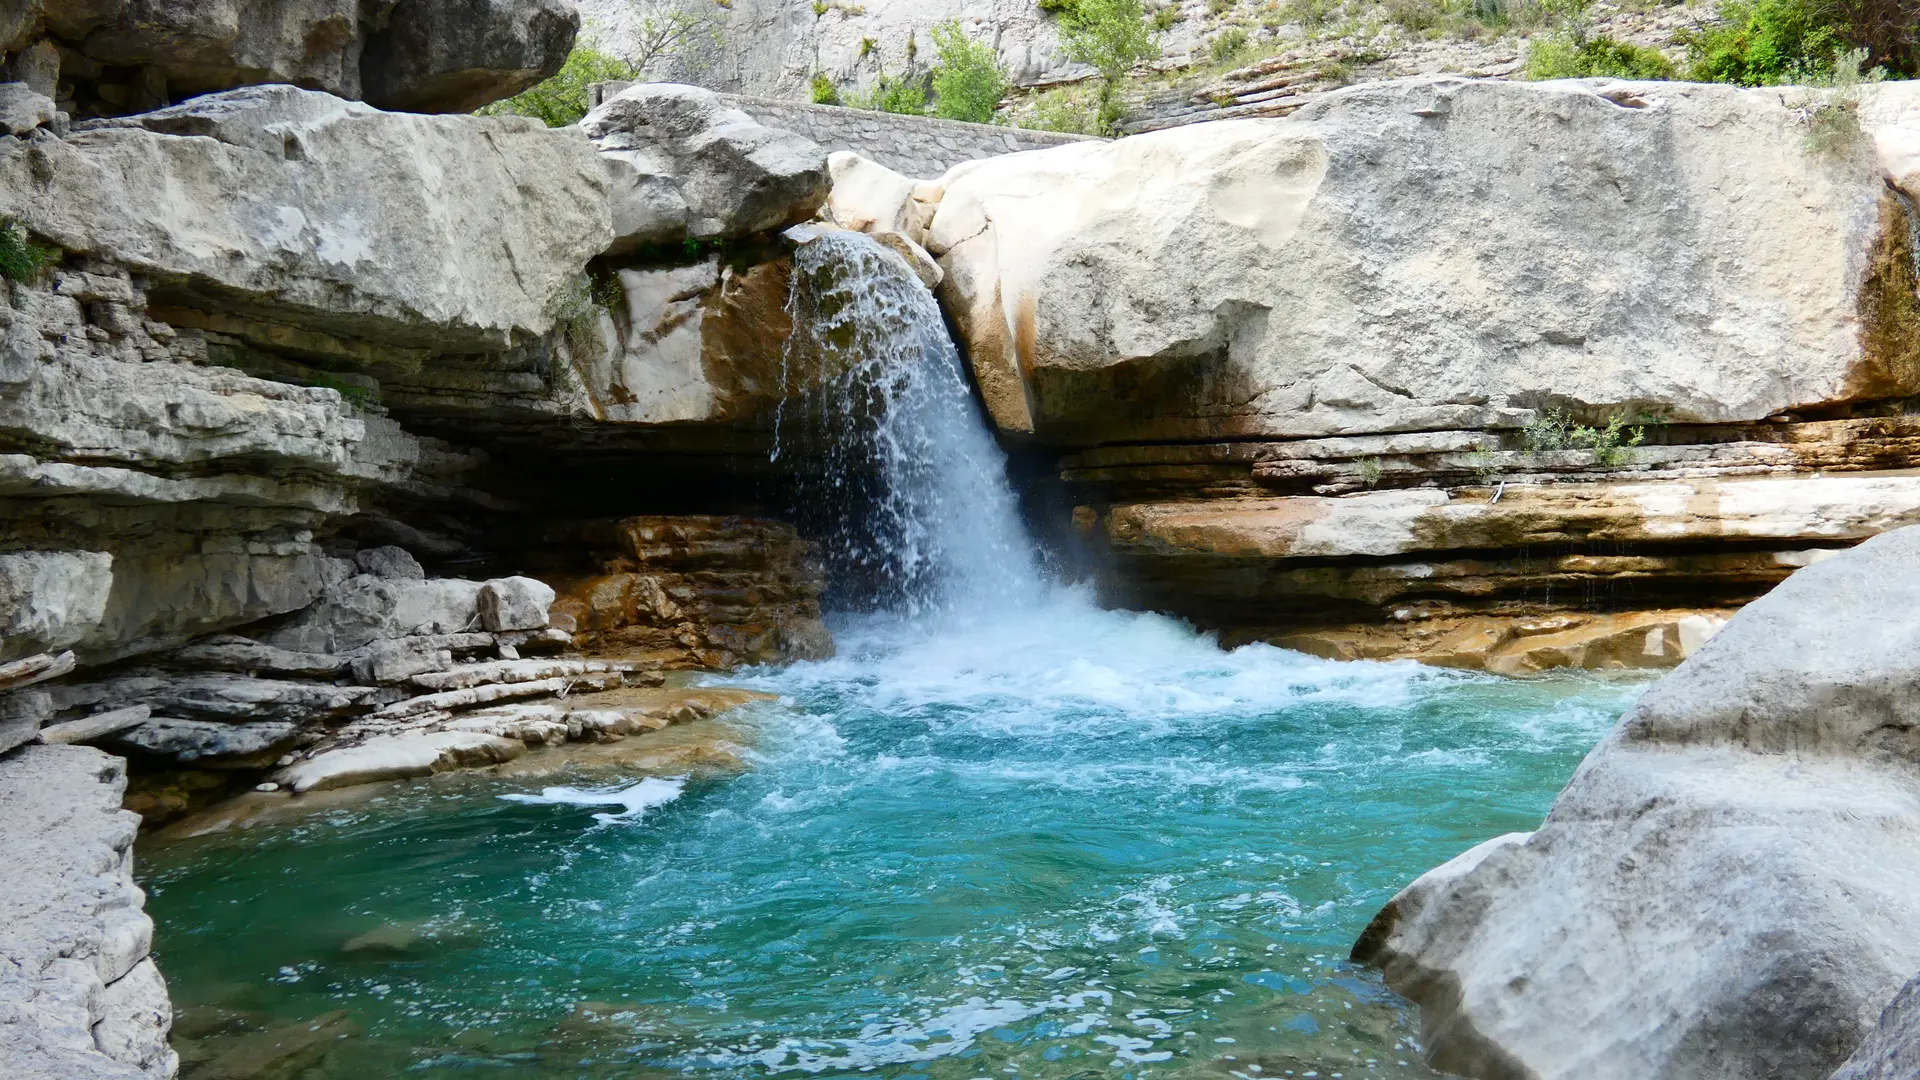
684	164
397	757
1726	888
515	603
278	1054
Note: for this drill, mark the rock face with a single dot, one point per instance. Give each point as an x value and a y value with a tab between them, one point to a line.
1272	278
80	997
1891	1051
688	166
113	57
1243	341
774	47
696	592
1725	888
450	195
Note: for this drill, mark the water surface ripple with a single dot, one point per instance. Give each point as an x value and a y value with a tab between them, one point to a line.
1039	840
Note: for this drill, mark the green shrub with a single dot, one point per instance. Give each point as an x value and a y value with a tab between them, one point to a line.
821	90
562	100
1059	7
1111	36
1164	17
1228	44
1766	43
905	95
969	81
1563	57
20	258
1553	429
1062	109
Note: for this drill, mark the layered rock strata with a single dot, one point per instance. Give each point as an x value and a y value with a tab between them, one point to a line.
1456	357
1725	888
696	591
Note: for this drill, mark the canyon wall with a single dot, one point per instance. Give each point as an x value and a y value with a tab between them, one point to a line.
1499	374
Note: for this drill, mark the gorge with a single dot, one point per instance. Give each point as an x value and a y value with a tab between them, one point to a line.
656	596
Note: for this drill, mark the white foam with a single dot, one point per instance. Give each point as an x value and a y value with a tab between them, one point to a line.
637	799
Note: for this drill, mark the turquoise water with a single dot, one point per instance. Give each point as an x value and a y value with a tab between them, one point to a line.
1052	842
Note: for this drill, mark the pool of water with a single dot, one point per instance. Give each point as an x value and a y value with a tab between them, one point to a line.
1048	842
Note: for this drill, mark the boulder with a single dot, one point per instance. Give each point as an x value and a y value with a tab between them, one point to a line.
1727	888
51	599
686	165
1891	1051
449	56
364	609
1432	254
459	241
426	55
515	603
392	562
22	109
868	197
398	757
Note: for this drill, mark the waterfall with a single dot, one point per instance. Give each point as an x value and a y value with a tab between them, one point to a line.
908	494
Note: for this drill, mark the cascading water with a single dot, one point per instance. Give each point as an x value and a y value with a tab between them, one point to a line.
911	493
1002	834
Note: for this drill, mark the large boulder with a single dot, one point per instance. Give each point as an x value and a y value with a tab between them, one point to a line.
1434	254
1729	887
457	55
123	56
686	165
456	233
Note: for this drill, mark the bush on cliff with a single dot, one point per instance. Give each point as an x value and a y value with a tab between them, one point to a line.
562	100
1777	42
903	94
1566	56
1111	36
969	81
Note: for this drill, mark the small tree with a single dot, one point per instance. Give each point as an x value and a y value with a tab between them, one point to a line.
1112	36
969	80
562	100
672	34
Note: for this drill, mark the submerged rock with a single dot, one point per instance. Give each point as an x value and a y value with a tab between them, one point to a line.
1726	888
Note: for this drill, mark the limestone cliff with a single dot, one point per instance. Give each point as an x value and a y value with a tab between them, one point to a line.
1486	361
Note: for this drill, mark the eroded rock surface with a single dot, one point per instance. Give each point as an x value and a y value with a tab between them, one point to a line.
1726	886
79	999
